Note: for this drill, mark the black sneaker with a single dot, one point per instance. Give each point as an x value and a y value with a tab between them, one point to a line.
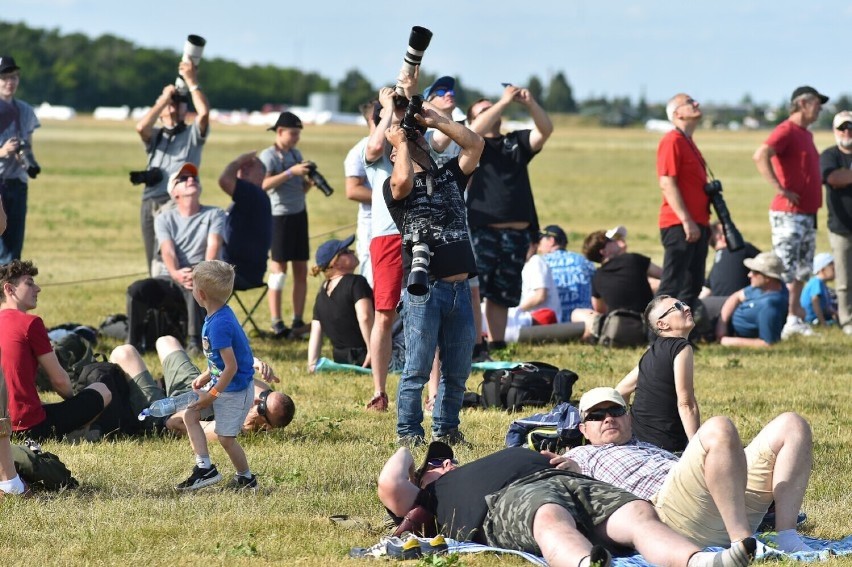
280	330
410	441
243	483
453	437
200	478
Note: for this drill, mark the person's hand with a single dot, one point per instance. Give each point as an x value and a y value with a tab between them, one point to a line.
183	277
524	97
189	72
386	95
265	371
509	94
430	118
790	196
300	169
691	231
395	135
168	92
408	81
561	462
205	400
10	147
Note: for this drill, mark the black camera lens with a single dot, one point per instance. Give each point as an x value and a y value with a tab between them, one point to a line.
409	123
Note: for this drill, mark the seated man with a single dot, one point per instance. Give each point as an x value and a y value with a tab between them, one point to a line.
755	315
187	233
515	499
272	410
716	493
572	274
728	274
24	346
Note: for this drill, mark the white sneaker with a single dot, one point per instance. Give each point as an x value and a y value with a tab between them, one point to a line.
796	327
847	329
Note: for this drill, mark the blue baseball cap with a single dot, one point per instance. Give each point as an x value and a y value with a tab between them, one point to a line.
331	248
440	83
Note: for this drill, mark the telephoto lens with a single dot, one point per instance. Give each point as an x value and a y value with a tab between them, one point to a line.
418	41
418	279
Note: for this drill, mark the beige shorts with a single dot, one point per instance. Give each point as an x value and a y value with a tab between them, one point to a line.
684	502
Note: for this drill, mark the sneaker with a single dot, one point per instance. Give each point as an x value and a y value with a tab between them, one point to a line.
410	441
480	353
408	548
242	483
599	557
847	329
796	327
200	478
453	437
280	330
434	546
378	403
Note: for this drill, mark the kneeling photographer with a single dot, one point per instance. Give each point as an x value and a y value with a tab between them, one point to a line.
172	144
427	205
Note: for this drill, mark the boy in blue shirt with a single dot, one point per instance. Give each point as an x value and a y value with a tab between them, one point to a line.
229	366
816	297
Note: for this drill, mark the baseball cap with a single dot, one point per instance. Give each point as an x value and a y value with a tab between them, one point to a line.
557	233
841	118
597	396
809	91
438	450
331	248
766	263
7	64
286	120
459	115
440	83
617	233
544	316
185	169
822	260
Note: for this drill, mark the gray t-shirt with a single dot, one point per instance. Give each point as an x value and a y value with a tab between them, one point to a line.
289	197
189	234
170	153
9	166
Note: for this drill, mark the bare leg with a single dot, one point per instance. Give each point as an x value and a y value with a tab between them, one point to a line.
167	345
274	294
235	453
380	347
197	439
496	315
300	288
794	307
555	532
7	463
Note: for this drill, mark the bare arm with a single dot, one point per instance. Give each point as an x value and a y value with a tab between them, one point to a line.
470	142
538	297
687	405
671	193
402	176
273	180
376	142
357	190
228	179
366	314
314	345
188	71
727	312
396	491
489	117
654	271
214	245
145	126
628	384
599	305
59	380
543	126
839	178
818	309
762	159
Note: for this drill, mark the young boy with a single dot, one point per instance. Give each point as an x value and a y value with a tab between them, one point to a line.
816	297
229	364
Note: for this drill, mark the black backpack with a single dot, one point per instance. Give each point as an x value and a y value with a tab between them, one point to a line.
528	384
41	469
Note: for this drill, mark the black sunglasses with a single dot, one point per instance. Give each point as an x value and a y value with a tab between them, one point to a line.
262	410
676	306
600	415
845	126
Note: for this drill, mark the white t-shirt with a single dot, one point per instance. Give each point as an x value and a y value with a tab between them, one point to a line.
377	172
354	166
536	275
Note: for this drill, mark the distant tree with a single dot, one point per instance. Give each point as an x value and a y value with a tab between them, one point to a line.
536	88
843	102
354	90
560	97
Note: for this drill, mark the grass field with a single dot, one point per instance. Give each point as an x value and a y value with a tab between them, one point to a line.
83	234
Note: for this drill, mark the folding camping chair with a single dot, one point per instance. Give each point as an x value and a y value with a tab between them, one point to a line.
243	286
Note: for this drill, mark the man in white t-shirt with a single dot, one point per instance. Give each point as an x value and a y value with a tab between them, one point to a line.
358	189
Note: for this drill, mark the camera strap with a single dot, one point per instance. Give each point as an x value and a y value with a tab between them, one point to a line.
695	149
431	168
18	119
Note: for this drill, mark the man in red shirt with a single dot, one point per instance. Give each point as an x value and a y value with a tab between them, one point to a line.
685	212
789	161
24	346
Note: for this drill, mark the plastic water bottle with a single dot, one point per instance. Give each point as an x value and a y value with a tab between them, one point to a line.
168	406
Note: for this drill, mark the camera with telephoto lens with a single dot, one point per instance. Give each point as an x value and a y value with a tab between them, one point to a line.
192	50
318	179
732	235
27	159
418	41
417	242
148	177
409	124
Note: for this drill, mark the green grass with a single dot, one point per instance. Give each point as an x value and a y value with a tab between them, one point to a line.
83	234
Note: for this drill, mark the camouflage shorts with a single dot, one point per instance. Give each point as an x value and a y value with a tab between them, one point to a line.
509	522
500	257
794	242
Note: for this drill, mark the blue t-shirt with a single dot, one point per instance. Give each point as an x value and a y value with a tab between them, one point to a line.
815	288
248	232
761	315
572	274
222	330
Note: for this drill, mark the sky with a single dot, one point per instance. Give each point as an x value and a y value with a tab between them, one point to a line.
716	51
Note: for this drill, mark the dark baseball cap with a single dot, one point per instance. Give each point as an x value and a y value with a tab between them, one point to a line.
437	451
286	120
557	233
806	90
331	248
7	64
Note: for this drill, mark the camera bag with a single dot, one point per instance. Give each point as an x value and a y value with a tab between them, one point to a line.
528	384
622	328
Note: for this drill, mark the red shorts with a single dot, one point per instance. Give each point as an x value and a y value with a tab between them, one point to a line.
386	257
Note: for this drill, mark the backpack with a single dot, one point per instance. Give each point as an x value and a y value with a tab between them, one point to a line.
41	469
528	384
553	431
622	328
74	352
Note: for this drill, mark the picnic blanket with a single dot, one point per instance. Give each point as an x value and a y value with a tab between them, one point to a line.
326	365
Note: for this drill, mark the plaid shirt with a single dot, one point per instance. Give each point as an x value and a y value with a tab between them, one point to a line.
635	466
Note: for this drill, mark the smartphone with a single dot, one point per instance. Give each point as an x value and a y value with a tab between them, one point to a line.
506	84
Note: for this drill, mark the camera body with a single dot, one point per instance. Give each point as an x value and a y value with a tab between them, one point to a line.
318	179
148	177
409	124
27	159
417	242
734	238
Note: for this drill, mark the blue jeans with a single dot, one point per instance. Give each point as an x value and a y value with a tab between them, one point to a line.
14	194
443	319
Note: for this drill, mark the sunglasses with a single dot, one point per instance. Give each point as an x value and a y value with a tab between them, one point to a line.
185	178
600	415
444	92
262	409
676	306
845	126
438	463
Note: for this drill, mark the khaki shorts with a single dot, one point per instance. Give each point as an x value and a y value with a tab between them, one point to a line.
684	502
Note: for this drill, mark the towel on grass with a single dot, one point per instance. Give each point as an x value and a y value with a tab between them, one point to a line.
326	365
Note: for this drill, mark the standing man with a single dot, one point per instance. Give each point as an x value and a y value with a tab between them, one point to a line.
684	219
501	210
429	208
572	273
14	137
286	184
789	161
358	189
170	146
836	166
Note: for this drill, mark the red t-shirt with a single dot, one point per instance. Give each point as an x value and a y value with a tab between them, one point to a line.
23	338
679	158
796	165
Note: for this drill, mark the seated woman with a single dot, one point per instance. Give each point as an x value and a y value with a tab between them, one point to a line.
343	309
665	412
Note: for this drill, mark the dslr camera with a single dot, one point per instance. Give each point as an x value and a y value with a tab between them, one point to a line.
318	179
27	159
148	177
417	243
732	235
409	124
